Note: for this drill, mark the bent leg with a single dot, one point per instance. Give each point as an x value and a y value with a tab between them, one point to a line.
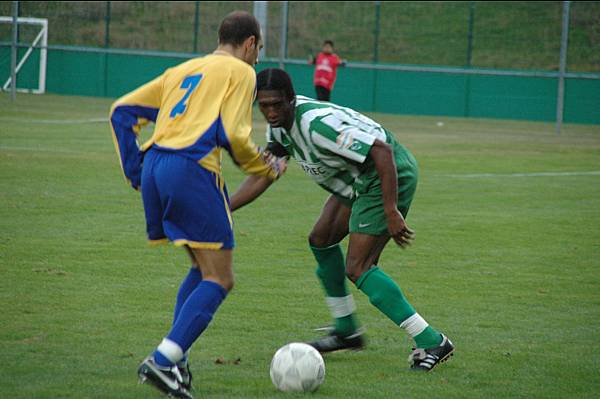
329	230
383	292
189	283
200	306
332	225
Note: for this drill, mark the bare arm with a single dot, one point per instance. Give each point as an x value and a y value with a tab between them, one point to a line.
383	157
249	190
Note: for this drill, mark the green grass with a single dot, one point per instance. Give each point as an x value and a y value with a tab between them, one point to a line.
508	267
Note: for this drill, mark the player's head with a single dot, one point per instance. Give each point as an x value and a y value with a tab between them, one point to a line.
276	97
241	31
328	47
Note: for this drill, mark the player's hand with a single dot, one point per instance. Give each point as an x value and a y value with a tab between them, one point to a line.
399	230
280	166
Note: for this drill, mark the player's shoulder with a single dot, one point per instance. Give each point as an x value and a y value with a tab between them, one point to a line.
307	107
304	103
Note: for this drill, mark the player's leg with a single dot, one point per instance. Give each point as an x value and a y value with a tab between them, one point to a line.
162	368
194	213
198	217
188	285
368	237
322	93
387	296
200	306
324	241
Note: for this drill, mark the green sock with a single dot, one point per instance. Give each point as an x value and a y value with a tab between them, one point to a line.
429	338
387	296
332	274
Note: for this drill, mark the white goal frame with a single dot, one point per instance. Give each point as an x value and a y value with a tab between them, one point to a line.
41	41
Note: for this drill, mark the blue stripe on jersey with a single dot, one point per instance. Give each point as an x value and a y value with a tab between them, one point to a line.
123	120
213	137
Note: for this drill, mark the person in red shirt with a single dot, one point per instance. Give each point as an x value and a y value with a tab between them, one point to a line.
326	64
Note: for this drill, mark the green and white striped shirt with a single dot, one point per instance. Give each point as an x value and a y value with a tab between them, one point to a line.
330	143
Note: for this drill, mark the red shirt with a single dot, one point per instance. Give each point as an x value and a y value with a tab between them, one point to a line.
326	70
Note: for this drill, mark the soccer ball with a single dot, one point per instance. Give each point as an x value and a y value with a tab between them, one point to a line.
297	367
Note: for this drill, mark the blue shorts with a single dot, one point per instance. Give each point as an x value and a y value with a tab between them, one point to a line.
184	202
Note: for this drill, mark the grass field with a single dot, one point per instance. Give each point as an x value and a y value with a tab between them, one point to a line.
506	262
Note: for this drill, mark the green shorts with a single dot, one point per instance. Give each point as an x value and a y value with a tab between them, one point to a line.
368	216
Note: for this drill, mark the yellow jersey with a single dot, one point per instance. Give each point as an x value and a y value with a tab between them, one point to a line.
199	107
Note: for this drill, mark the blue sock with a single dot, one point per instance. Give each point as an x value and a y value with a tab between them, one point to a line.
189	284
161	359
194	316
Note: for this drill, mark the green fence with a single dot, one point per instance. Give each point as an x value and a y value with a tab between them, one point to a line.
486	34
92	73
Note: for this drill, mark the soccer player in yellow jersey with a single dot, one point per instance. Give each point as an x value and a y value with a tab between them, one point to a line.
199	107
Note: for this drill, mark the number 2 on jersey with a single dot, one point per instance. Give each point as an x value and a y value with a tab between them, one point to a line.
190	83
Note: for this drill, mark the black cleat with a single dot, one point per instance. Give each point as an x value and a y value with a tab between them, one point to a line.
426	359
186	376
167	380
335	342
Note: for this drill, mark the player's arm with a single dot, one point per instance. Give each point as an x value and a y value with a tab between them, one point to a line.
383	158
253	186
127	116
236	114
350	142
250	189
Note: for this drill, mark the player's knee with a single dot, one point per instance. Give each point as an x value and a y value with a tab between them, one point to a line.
318	240
228	284
355	268
224	281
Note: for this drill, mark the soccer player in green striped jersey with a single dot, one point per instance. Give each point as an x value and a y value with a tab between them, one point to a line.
372	180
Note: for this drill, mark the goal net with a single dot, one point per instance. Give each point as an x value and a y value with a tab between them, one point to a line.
31	60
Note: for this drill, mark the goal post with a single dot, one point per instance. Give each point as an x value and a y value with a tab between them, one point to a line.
41	42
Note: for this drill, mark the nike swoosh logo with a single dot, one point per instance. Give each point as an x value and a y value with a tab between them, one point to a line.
361	225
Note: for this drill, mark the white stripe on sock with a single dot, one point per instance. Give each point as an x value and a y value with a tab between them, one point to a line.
414	325
170	350
341	306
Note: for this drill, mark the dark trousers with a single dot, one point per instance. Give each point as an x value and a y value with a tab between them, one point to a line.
322	93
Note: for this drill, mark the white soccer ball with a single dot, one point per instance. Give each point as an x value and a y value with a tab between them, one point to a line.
297	367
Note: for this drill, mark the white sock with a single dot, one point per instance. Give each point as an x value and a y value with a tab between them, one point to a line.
170	350
414	325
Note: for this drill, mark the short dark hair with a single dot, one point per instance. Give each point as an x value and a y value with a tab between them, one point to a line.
238	26
328	42
275	79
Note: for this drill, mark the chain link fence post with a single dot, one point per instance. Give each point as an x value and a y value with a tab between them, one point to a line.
196	26
260	12
13	52
107	18
469	60
564	44
376	32
284	34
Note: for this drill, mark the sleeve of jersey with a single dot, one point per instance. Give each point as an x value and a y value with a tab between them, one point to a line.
341	138
127	116
236	115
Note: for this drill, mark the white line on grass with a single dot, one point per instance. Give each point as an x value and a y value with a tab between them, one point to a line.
452	176
536	174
